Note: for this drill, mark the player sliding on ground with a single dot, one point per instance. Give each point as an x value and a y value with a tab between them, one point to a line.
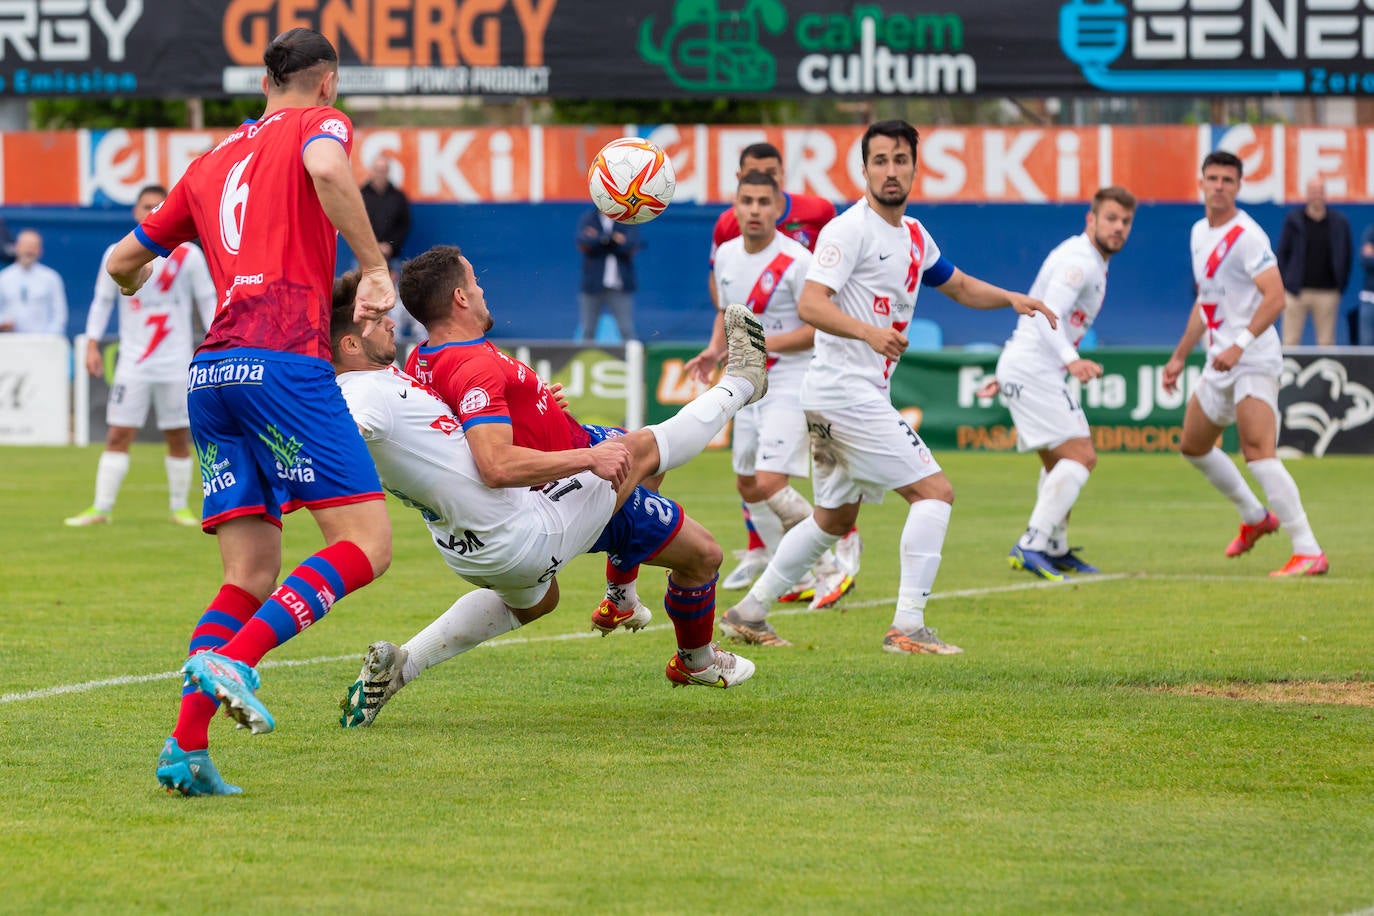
510	530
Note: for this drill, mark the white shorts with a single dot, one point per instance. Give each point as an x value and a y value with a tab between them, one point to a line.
130	398
1218	394
771	436
563	522
862	451
1044	410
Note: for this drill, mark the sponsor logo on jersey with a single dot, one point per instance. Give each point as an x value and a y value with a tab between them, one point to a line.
225	372
463	544
446	425
882	305
291	464
476	399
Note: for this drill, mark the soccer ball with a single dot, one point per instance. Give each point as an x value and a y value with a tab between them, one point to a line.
631	180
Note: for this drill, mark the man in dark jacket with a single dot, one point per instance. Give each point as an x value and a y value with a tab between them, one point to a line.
608	272
1314	259
387	209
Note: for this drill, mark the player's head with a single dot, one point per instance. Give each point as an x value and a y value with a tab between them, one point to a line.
761	157
1110	218
758	204
353	347
301	62
1220	183
28	247
440	286
889	157
148	199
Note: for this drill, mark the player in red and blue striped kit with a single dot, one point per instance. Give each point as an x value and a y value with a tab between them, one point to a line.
271	429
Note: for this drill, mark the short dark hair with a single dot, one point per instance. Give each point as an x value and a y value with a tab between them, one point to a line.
428	281
1116	194
897	130
754	176
759	151
295	51
150	189
1221	157
342	308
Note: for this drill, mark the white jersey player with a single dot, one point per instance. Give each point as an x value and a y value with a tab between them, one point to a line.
1044	405
1239	297
511	540
156	340
860	295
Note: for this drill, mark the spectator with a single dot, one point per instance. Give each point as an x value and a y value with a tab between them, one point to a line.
32	297
1314	259
1365	325
388	210
608	272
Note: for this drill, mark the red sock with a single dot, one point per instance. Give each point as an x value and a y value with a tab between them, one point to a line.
617	576
693	613
225	616
755	542
304	596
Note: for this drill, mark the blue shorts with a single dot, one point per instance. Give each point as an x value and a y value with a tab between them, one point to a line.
273	433
643	526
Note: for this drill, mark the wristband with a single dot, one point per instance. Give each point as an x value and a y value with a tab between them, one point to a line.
1244	339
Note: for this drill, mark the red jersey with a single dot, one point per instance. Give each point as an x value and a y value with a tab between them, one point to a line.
267	240
483	385
801	220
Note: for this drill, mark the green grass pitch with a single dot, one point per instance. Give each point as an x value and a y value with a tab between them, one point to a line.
1059	766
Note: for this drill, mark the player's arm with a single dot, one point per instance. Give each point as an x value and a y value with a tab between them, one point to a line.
502	463
1272	302
1192	333
130	263
1060	298
98	319
817	308
326	160
793	341
979	294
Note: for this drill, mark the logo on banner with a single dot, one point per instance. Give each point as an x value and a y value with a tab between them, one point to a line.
1198	46
70	35
708	49
1331	402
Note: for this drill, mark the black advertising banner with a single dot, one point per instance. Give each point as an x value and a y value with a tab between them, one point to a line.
687	48
1327	401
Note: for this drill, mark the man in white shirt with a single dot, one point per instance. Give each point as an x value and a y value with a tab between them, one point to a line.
512	540
155	343
860	295
33	299
1239	297
1044	405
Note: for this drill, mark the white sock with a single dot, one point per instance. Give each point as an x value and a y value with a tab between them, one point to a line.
1058	492
472	620
1282	493
767	525
923	537
178	481
1223	474
800	548
682	436
109	477
625	596
791	507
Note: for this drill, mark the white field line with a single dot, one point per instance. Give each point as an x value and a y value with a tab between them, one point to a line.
781	611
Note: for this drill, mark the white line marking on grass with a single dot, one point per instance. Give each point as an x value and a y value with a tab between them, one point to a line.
781	611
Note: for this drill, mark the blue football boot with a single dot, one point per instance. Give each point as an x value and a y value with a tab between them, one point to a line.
1034	562
1070	562
233	683
190	772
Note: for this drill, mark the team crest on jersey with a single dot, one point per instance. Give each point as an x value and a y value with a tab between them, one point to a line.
336	127
475	400
829	255
446	425
1073	277
767	281
882	305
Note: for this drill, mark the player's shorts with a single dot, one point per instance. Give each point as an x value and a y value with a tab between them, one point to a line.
130	397
642	527
862	451
273	434
564	519
1043	408
1219	393
770	435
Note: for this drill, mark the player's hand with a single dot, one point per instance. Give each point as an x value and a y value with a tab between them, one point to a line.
611	461
889	343
1173	369
375	297
990	389
559	398
1025	305
1085	370
95	362
144	273
1226	360
702	366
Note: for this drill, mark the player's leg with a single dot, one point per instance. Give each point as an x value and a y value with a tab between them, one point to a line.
762	525
125	412
1257	425
930	501
1068	465
169	401
1208	413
